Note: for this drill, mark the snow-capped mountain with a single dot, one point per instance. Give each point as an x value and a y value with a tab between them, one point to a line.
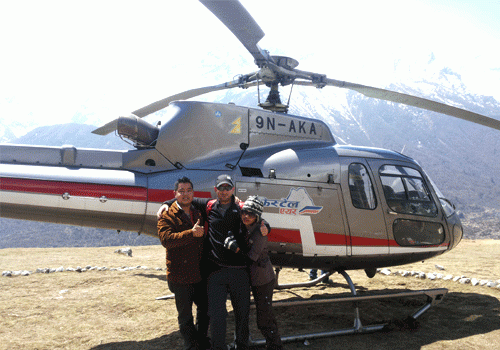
459	156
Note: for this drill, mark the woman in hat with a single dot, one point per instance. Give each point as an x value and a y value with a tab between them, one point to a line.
262	276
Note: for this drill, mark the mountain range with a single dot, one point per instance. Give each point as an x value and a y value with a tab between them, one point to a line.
460	157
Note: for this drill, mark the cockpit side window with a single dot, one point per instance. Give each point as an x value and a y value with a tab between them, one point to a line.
405	191
361	187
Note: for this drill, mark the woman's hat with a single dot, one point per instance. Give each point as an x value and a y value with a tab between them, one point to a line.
254	205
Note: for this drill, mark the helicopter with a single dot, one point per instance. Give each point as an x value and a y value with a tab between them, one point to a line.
333	207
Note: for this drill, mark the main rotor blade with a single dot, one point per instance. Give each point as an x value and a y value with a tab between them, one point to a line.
410	100
237	19
106	128
158	105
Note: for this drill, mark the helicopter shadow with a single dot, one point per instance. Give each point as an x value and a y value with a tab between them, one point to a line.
458	316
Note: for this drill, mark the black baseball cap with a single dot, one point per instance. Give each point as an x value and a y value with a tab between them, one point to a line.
224	179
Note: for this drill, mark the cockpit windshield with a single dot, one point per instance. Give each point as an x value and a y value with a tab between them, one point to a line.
406	192
448	207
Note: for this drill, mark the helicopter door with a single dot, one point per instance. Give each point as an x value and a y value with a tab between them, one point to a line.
412	216
306	217
368	234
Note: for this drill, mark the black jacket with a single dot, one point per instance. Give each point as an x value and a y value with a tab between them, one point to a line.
222	224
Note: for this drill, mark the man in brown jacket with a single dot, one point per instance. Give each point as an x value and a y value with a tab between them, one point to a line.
181	232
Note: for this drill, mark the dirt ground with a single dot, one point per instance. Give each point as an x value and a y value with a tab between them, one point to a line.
118	309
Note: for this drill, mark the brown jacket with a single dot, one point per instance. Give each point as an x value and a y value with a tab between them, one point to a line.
183	250
261	269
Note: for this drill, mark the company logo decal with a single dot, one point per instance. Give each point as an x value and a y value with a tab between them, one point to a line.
298	202
237	126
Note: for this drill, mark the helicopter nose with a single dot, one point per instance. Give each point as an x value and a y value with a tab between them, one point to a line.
456	229
458	233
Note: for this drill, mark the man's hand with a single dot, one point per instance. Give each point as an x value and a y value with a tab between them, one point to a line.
160	211
231	244
198	231
263	229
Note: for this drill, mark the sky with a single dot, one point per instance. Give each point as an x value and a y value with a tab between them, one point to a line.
91	61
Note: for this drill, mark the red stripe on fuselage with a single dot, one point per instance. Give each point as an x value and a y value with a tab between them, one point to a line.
90	190
160	196
284	236
293	236
73	188
329	239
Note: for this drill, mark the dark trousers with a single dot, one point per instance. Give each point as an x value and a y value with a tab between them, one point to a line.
266	321
236	282
313	274
195	337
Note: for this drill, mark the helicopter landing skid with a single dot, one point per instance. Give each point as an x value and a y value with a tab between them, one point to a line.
434	296
313	282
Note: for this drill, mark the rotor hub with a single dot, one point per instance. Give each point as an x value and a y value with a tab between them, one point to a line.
285	62
273	101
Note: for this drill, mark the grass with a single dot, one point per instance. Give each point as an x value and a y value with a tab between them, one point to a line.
117	309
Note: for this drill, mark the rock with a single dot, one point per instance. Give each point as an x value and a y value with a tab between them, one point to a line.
474	281
447	277
7	273
431	276
124	251
386	272
439	267
464	280
491	284
60	269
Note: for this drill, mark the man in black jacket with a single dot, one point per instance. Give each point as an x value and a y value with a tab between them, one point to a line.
226	270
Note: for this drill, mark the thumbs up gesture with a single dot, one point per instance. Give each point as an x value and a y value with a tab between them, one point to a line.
263	229
198	231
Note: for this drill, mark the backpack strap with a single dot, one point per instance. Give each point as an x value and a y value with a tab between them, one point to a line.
210	204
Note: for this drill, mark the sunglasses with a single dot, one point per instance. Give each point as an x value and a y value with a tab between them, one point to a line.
248	213
225	188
